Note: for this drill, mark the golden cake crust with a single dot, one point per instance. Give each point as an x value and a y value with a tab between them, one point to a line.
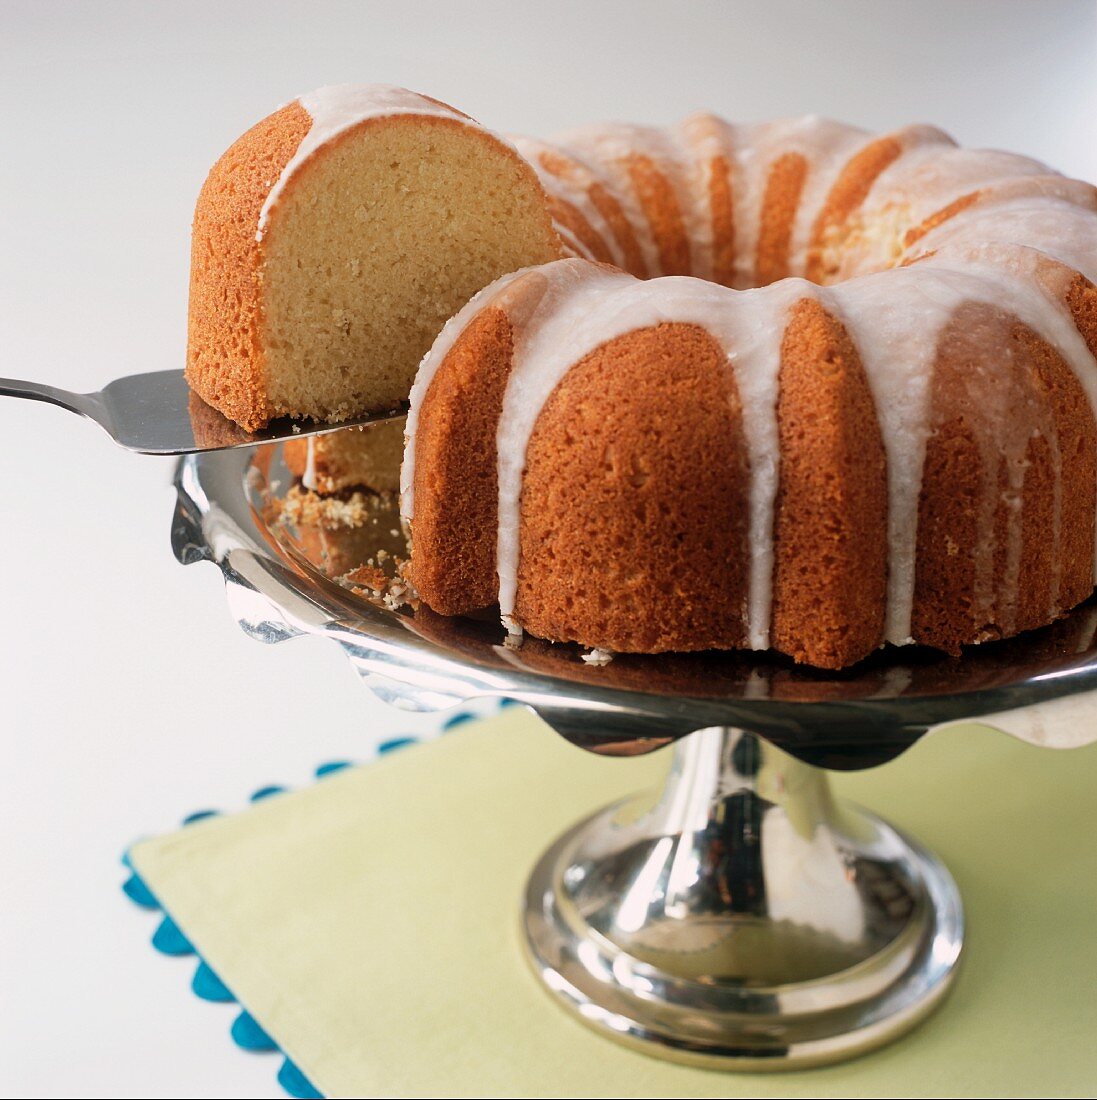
847	194
722	206
224	349
663	213
453	560
782	199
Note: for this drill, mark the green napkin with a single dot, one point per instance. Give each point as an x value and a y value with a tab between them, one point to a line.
370	923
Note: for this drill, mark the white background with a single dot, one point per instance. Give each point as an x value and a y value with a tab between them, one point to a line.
129	698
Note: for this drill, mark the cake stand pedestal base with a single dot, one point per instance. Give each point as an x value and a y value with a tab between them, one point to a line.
743	918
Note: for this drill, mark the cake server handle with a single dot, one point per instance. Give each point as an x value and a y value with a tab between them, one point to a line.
84	404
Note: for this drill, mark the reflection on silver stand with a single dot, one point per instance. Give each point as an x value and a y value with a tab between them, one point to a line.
741	917
745	919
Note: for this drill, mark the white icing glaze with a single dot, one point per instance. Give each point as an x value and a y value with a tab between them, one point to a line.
308	478
586	307
708	139
751	335
756	147
1062	230
828	147
701	138
338	107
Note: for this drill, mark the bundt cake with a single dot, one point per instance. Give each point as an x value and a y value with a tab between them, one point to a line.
332	241
788	385
866	415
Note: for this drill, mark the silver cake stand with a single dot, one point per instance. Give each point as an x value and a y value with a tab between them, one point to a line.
741	917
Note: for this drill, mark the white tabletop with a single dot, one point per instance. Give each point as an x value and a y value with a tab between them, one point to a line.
130	697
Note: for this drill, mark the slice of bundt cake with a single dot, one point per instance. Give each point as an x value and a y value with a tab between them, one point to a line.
332	241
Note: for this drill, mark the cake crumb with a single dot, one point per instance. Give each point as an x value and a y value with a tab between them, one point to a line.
301	506
399	592
368	576
599	657
373	583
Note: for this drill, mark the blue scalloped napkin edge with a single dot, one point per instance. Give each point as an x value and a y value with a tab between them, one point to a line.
246	1032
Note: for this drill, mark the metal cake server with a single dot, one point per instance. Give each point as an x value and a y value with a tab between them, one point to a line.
158	414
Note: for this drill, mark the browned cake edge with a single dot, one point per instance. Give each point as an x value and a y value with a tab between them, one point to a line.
224	350
721	198
660	206
456	476
830	524
779	205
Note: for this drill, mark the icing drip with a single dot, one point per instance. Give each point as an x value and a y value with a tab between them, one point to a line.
751	335
308	478
825	145
895	319
828	147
